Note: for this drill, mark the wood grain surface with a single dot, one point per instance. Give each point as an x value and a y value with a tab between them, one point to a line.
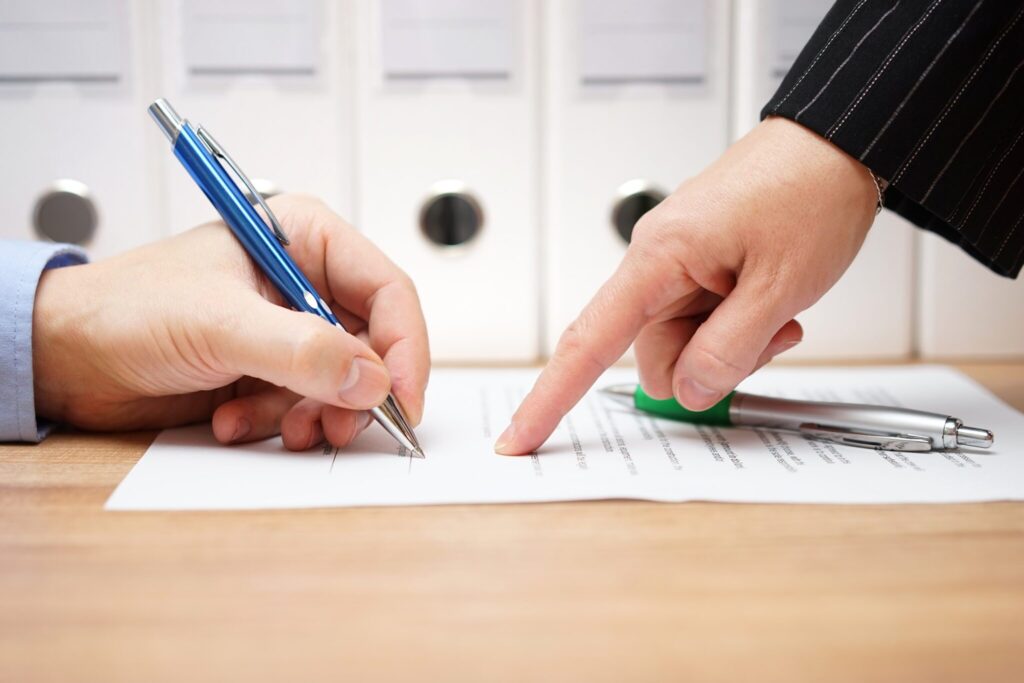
596	591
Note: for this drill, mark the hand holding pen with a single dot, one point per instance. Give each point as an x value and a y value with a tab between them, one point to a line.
187	329
236	199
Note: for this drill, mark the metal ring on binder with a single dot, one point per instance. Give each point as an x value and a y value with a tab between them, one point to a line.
451	217
634	198
66	212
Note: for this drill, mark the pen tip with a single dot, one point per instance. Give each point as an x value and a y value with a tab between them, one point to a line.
418	453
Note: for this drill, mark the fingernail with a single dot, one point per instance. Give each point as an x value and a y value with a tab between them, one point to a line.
695	395
505	440
242	428
366	385
784	346
316	434
363	421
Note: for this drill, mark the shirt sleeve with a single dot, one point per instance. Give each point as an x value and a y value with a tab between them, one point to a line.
21	265
928	96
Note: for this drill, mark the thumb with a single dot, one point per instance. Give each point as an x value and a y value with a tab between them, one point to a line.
304	353
727	347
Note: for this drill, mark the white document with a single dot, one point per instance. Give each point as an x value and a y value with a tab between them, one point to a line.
601	450
447	38
645	41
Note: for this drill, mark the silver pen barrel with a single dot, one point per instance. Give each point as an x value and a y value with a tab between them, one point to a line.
942	431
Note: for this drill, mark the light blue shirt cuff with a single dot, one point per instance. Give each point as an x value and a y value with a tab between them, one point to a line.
21	265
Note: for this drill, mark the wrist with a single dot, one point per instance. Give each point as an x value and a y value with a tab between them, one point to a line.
56	341
829	167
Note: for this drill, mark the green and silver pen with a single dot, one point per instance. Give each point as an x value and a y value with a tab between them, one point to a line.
850	424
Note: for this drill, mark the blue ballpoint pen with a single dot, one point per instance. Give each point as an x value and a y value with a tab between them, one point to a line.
202	157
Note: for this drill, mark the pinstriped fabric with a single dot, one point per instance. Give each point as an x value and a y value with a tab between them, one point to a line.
1009	235
878	72
1013	186
985	186
956	98
924	74
970	133
821	51
928	94
853	53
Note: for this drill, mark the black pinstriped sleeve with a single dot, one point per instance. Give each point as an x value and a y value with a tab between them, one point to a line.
928	94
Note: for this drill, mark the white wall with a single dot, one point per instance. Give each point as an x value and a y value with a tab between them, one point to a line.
543	151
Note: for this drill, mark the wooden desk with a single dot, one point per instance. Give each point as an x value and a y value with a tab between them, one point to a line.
608	591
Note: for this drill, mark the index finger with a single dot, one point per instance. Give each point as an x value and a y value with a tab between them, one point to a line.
398	333
353	272
595	340
369	284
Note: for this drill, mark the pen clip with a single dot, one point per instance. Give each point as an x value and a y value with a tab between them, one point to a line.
885	442
218	151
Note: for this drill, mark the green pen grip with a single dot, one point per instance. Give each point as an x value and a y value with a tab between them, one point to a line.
716	416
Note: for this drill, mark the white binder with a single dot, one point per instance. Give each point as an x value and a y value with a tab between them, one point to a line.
77	164
272	81
447	160
879	285
636	99
964	309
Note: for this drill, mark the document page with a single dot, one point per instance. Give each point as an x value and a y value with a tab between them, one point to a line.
602	449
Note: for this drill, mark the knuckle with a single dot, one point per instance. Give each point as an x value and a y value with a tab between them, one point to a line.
297	209
714	369
784	290
652	234
340	429
658	238
646	228
314	353
398	284
406	283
